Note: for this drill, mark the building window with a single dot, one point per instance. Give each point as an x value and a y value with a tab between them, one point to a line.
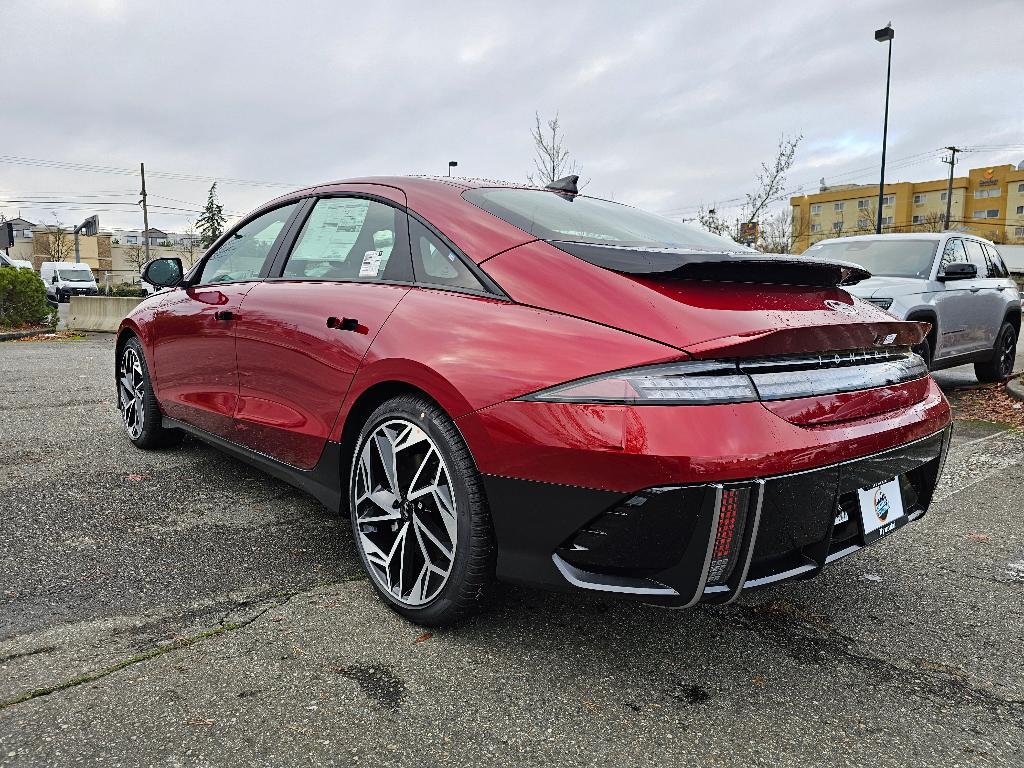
132	240
993	192
920	199
943	196
887	220
991	213
916	219
837	206
837	226
1018	232
862	204
815	227
1020	188
816	208
1020	209
888	199
27	234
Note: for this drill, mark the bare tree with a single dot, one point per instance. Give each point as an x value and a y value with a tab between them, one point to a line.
188	246
59	245
772	178
929	222
551	159
135	255
770	183
779	233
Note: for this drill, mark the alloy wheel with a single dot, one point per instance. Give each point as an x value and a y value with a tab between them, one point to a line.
1008	353
405	512
131	388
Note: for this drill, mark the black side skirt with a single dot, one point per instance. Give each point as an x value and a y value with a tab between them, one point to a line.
322	482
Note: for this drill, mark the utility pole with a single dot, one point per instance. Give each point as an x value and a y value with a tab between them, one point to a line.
949	185
145	210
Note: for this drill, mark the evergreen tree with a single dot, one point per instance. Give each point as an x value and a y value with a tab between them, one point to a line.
211	222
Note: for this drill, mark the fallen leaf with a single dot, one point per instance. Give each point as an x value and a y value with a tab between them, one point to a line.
424	637
979	537
134	478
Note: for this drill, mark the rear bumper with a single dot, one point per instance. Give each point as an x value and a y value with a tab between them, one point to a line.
662	543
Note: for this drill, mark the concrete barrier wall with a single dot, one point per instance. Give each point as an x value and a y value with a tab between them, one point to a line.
99	313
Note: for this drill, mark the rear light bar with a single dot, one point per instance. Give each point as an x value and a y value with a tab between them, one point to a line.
729	381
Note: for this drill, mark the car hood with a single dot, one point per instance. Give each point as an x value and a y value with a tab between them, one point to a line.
887	287
708	317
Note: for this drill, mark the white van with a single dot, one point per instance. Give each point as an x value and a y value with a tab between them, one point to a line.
7	261
64	280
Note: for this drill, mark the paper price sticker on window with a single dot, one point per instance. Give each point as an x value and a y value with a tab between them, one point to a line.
371	263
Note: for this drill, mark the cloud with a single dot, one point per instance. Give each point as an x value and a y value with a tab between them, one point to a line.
664	104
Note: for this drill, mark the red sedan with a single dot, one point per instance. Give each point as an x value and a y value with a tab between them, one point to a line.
531	385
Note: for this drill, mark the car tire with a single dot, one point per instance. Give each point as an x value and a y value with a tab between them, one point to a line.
1004	354
140	411
924	349
408	515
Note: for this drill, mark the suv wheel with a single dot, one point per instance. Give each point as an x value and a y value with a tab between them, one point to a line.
419	516
924	349
1004	355
140	412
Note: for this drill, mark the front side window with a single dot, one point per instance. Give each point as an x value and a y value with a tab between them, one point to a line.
435	263
953	253
350	238
242	255
976	255
996	267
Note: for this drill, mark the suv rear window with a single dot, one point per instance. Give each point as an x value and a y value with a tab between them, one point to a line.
559	217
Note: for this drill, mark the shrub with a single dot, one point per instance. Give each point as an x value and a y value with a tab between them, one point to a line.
124	289
23	299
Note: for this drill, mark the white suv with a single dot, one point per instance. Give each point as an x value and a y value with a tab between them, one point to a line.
953	280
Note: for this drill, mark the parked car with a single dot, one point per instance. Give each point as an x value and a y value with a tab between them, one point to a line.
64	280
7	261
536	386
953	280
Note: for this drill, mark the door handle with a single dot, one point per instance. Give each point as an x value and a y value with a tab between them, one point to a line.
224	314
343	323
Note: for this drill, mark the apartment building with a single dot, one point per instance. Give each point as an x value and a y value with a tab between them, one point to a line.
988	202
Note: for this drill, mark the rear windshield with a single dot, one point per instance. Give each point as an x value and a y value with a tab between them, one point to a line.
552	216
890	258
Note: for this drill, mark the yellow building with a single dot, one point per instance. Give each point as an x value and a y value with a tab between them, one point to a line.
988	202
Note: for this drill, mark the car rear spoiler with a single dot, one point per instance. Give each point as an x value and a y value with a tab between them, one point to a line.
737	267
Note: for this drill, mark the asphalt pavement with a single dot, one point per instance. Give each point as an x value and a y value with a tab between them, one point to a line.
177	608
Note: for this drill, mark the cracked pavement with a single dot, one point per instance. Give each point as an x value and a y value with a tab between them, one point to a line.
179	608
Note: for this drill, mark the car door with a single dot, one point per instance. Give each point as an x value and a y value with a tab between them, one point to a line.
307	327
987	307
953	304
194	326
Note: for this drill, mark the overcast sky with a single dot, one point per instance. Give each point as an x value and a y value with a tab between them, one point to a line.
665	105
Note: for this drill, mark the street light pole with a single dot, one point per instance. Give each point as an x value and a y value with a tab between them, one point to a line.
885	34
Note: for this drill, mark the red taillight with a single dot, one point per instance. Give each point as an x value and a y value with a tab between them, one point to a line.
732	513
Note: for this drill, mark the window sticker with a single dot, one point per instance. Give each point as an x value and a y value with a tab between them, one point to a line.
371	263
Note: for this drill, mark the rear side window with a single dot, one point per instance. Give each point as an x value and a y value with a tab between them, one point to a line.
242	255
953	253
350	238
976	253
437	264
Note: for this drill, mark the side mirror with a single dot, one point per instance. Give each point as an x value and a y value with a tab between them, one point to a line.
54	278
959	270
163	273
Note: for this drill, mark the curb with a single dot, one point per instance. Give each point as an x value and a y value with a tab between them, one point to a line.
12	335
1015	388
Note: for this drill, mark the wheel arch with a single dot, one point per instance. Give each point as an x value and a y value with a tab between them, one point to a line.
927	315
1013	317
365	403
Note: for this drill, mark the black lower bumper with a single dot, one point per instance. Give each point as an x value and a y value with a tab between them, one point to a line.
679	545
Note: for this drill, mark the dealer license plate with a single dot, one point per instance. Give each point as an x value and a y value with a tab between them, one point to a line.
881	509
